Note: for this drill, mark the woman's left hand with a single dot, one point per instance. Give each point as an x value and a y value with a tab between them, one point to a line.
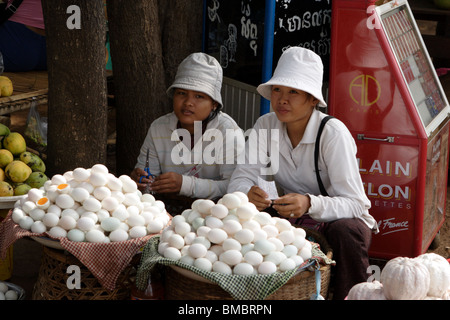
169	182
292	205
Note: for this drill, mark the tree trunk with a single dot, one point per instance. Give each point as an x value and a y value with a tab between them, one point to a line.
148	38
77	107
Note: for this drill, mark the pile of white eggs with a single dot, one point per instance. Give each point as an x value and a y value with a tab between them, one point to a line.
90	205
6	293
234	237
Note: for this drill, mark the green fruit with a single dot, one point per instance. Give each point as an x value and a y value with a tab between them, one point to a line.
15	143
21	189
36	179
33	161
4	130
6	157
17	171
6	190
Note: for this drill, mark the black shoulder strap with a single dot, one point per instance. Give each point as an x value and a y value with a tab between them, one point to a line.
316	154
9	11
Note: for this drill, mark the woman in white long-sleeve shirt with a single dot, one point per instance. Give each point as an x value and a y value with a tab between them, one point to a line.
341	212
185	159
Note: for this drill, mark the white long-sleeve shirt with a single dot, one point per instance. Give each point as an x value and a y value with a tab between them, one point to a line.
293	168
207	168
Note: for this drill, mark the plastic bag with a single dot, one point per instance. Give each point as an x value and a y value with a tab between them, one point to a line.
36	128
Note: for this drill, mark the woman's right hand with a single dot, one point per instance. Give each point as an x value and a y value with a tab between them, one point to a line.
258	197
136	175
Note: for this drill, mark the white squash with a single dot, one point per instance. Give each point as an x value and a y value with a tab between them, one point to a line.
366	291
405	279
439	269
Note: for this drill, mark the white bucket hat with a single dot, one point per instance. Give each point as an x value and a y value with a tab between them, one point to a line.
297	68
199	72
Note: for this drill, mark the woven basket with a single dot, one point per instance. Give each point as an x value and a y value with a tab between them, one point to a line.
52	279
302	286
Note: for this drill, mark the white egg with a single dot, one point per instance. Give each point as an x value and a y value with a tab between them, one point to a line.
128	185
290	250
135	221
297	259
76	235
53	208
244	236
70	212
231	244
305	253
160	205
155	226
95	236
178	219
3	287
147	197
213	222
90	215
110	203
263	218
176	241
162	246
216	235
202	240
286	236
251	224
243	268
203	231
17	215
26	222
43	203
259	234
242	196
217	249
219	211
114	183
68	175
221	267
67	222
231	226
79	194
63	188
58	179
11	295
203	264
167	232
47	185
118	195
246	211
100	168
64	201
287	264
73	183
37	214
187	259
279	245
300	232
267	267
148	216
102	214
204	206
247	247
264	246
231	257
270	230
118	235
197	250
189	238
92	204
52	193
120	213
276	257
50	220
182	228
231	201
253	257
87	185
28	206
34	194
38	227
57	232
198	222
193	215
282	224
299	242
101	192
172	253
137	232
211	256
110	224
81	174
85	224
131	199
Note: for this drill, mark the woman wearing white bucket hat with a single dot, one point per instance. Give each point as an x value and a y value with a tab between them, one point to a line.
176	142
341	210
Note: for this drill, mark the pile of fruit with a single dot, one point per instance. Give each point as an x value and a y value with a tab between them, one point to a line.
20	170
6	86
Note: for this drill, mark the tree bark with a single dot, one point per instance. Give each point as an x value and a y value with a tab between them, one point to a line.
77	107
149	38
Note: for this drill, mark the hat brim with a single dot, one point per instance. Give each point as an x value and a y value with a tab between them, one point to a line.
193	87
265	90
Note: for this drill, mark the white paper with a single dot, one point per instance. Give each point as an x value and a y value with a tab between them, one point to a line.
269	187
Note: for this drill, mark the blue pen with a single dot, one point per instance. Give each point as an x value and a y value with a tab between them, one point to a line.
149	174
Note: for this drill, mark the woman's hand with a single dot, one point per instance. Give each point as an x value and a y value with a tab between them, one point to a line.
169	182
258	197
292	205
136	175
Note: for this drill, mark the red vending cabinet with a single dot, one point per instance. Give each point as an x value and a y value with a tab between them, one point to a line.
384	88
